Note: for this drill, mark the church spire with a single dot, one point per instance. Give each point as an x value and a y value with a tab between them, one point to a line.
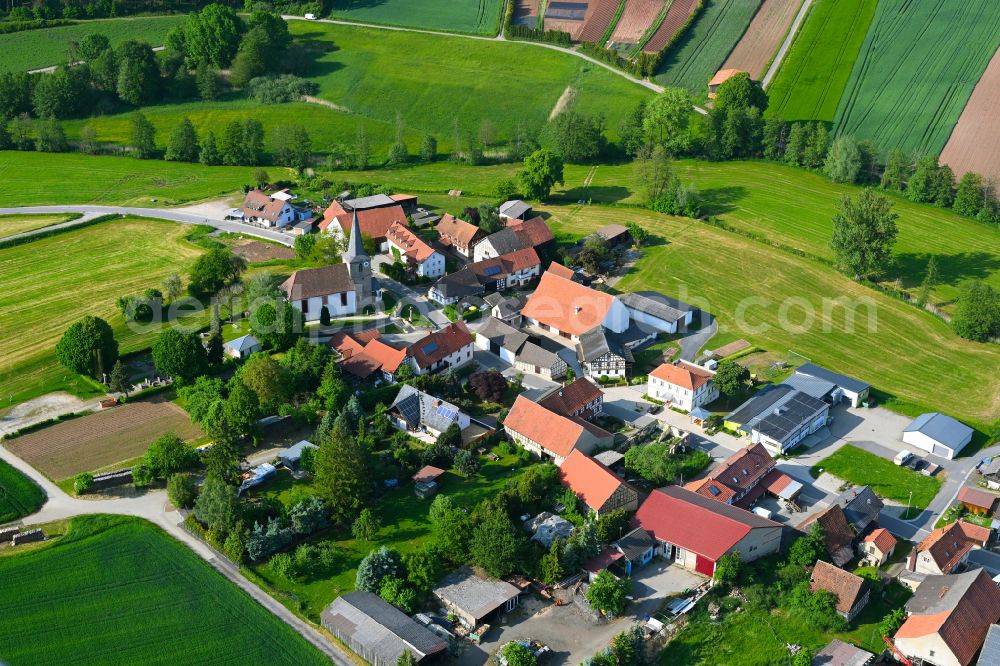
355	248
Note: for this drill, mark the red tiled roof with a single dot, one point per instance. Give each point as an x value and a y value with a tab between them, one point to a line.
949	544
259	204
551	431
837	533
706	527
374	356
558	269
512	262
572	397
411	244
351	343
847	587
566	305
723	75
608	556
776	481
685	375
882	539
458	232
976	497
744	468
533	232
441	343
428	473
711	489
374	222
590	480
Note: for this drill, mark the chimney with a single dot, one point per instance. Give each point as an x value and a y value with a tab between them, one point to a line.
579	309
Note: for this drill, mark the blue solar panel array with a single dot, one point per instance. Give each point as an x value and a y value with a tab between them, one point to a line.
430	347
446	412
491	270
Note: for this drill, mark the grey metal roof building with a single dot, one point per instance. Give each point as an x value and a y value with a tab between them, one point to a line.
758	404
843	381
942	429
504	241
378	631
373	201
463	282
502	334
861	507
515	208
839	653
635	544
654	307
813	386
990	654
472	597
789	415
597	342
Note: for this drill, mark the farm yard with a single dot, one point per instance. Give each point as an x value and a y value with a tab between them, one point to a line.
98	440
597	24
51	282
816	68
767	30
974	144
568	16
678	14
636	20
481	17
904	94
19	497
34	49
11	225
699	53
119	590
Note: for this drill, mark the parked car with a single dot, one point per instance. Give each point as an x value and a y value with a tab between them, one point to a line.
902	457
930	470
656	409
310	17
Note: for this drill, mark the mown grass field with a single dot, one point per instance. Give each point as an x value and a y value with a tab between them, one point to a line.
51	282
18	495
117	590
706	44
887	479
18	224
816	68
432	81
476	16
34	49
69	178
916	70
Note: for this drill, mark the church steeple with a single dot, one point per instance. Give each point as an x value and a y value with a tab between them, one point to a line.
355	248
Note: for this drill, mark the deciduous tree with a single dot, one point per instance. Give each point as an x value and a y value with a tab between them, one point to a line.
88	347
607	593
183	144
179	355
864	232
542	170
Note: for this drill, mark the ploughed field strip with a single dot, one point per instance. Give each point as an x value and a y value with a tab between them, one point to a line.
974	144
679	13
635	20
101	439
762	38
602	13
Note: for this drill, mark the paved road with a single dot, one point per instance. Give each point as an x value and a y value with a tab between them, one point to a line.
91	211
152	507
691	344
785	45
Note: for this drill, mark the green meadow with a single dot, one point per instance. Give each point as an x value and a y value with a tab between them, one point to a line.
475	16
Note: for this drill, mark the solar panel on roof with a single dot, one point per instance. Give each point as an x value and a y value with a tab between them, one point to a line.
446	412
714	490
491	270
430	347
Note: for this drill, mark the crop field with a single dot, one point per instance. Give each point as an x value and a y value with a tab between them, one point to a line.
475	16
118	590
51	282
916	70
761	40
19	496
435	82
69	178
974	144
702	49
602	13
635	20
11	225
816	68
101	439
677	16
34	49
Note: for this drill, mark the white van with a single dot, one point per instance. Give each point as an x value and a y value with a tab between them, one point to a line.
310	17
902	457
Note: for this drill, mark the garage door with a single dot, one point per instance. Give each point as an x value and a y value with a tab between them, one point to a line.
703	565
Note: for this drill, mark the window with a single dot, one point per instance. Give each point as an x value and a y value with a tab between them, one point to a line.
343	298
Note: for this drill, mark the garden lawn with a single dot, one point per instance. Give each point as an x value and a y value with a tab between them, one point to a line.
405	528
51	282
433	81
816	69
888	480
917	68
119	590
19	496
695	58
475	16
11	225
38	179
34	49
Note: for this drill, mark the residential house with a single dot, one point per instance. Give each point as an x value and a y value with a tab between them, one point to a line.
744	477
268	210
378	631
348	343
876	548
547	527
976	501
505	308
536	360
551	436
512	270
496	244
852	591
377	359
459	235
838	537
861	508
684	385
532	233
948	618
944	549
409	248
655	311
780	417
515	210
475	600
938	434
581	397
416	411
453	287
854	391
990	471
603	353
448	347
597	486
241	347
515	347
291	457
637	548
568	309
695	532
839	653
373	222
